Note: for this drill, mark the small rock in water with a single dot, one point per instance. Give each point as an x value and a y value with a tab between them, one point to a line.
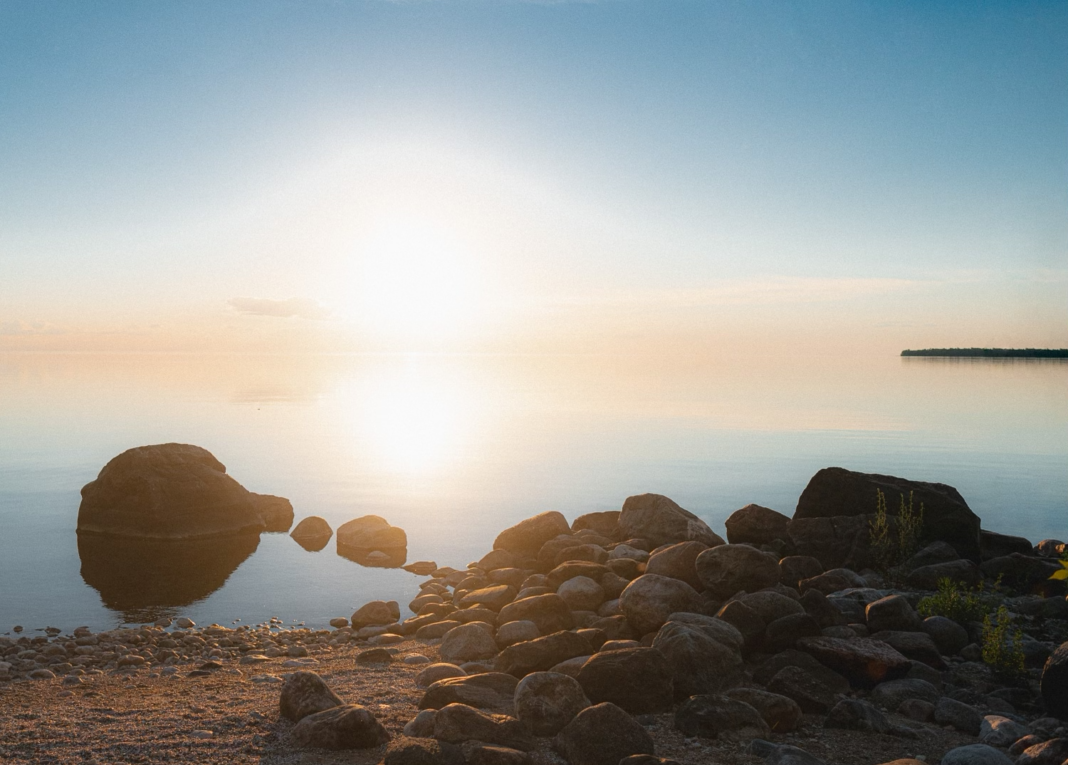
339	622
184	622
18	628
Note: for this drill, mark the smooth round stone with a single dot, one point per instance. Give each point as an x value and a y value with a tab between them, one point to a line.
416	658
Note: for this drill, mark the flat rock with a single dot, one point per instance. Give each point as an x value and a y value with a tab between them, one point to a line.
349	726
489	691
854	714
457	723
541	654
975	754
864	662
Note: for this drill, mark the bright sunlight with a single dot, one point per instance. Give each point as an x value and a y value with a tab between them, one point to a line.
414	282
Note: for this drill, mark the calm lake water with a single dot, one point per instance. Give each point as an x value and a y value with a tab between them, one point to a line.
455	448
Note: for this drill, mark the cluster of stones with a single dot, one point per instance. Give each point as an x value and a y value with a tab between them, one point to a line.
156	650
569	631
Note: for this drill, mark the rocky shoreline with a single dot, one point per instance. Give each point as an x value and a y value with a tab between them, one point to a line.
620	638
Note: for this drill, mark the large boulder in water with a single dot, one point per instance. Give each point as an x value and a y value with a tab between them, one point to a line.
661	521
173	491
836	492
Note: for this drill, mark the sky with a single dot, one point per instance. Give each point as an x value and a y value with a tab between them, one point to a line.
533	176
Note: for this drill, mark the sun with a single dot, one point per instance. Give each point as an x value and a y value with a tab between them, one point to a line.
415	282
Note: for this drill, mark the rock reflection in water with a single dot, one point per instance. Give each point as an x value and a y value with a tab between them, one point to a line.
312	544
146	580
391	558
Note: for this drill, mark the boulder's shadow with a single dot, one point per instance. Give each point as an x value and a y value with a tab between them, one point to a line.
145	580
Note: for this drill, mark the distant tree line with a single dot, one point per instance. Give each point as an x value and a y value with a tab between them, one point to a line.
994	353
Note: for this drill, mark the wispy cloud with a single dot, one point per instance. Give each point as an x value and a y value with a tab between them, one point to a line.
19	327
301	308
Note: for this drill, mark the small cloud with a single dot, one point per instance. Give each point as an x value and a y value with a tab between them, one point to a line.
302	308
19	327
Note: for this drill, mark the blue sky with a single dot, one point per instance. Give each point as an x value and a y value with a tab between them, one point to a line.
898	168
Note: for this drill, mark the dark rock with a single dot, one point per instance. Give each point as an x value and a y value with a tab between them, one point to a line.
727	569
995	545
548	611
490	691
834	542
917	709
821	609
1025	743
305	693
602	735
625	567
832	581
1002	732
167	491
863	661
1055	683
890	694
744	619
541	654
496	559
368	533
1051	548
936	552
975	754
711	716
810	691
547	701
784	632
771	666
949	636
646	759
927	577
757	525
404	750
770	605
1052	752
959	715
794	568
853	714
345	727
913	645
715	628
613	585
1020	572
374	656
781	713
677	561
614	628
457	723
313	533
650	599
699	663
835	492
527	537
468	642
891	613
784	754
661	521
605	523
638	680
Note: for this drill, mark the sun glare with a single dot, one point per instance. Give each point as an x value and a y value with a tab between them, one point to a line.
414	283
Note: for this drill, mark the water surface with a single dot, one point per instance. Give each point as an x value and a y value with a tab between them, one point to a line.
455	448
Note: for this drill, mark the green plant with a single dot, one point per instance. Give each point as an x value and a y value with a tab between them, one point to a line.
894	540
1003	646
955	601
